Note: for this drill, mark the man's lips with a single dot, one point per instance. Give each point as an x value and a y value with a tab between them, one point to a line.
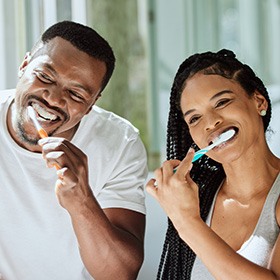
43	114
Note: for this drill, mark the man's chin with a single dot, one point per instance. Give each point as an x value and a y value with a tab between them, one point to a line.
25	138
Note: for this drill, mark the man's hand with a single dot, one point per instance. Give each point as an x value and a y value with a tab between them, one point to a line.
72	186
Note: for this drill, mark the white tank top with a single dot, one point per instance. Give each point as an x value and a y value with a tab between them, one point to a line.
259	246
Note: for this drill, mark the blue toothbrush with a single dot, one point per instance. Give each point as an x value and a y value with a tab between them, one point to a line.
220	139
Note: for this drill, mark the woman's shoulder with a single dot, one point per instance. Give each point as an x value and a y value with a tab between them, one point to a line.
278	202
278	212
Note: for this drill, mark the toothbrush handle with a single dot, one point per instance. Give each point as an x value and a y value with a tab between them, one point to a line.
199	154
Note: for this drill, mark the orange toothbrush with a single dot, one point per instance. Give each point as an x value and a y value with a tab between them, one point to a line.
41	131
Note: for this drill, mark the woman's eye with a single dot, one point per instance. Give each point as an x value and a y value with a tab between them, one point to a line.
193	119
222	102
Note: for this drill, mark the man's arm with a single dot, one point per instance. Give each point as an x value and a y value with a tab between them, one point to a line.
110	241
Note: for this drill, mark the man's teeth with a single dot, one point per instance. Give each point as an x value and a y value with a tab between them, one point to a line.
43	113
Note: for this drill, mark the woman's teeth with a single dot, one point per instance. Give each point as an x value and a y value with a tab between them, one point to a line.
42	113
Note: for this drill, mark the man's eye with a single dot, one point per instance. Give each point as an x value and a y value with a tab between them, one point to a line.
75	95
43	77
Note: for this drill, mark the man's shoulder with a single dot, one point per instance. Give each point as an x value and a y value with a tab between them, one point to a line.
111	120
6	94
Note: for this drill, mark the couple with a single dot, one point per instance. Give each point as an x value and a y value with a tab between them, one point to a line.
86	218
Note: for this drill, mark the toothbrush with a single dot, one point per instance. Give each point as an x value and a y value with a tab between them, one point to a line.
220	139
42	132
32	115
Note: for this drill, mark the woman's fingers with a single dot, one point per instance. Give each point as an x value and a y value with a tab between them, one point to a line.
171	171
169	167
151	188
186	165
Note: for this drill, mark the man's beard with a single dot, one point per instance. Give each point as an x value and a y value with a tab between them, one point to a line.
21	132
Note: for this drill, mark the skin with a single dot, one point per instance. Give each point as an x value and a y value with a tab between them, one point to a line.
212	104
66	82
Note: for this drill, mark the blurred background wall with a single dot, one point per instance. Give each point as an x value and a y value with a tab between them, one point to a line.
150	39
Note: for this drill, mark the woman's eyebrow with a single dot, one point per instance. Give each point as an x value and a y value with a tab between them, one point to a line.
217	95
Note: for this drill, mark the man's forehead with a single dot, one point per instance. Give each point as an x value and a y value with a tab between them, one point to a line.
45	47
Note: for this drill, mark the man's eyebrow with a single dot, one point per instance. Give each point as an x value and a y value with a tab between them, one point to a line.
217	95
87	90
47	65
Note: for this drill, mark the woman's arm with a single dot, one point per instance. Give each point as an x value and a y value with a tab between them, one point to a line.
178	196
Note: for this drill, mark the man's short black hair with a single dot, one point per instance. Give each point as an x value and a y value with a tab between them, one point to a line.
85	39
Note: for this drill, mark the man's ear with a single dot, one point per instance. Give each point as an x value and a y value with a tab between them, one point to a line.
261	102
24	64
89	109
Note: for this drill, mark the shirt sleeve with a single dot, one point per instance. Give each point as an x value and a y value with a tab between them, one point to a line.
125	186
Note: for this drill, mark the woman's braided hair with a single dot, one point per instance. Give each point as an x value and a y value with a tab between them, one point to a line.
177	258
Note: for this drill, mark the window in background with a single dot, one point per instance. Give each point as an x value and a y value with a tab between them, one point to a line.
124	25
22	23
183	27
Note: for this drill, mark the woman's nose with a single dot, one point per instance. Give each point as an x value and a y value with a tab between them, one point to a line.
212	121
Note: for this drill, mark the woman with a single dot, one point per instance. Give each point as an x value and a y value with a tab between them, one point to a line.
223	209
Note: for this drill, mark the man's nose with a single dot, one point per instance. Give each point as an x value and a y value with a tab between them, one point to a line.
55	97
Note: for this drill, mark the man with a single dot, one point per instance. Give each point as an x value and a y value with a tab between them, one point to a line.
84	220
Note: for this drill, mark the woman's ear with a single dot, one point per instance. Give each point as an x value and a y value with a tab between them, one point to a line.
261	102
24	64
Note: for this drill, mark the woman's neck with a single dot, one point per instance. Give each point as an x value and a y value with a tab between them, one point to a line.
250	175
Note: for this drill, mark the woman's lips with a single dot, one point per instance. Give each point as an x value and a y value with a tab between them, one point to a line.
229	140
216	136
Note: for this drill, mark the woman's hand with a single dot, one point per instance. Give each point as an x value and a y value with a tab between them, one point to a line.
175	190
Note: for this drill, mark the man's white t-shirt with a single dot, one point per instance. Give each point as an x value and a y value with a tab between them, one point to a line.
37	241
